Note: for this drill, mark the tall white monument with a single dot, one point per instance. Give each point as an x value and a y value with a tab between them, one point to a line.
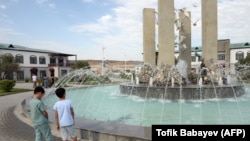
209	31
149	36
166	18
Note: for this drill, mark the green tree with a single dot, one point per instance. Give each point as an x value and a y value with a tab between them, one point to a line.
81	64
8	65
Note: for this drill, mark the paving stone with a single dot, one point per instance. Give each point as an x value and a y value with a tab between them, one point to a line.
12	129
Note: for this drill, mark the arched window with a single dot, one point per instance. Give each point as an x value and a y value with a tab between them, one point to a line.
248	53
42	60
239	55
33	59
19	58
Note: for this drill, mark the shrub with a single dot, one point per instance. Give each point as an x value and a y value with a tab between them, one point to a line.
27	80
7	85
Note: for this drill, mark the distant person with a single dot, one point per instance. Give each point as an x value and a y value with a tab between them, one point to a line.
34	79
52	81
39	116
45	81
64	116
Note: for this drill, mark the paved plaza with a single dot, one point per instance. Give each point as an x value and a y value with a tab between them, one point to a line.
11	127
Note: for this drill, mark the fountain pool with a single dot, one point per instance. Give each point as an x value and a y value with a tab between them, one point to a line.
106	103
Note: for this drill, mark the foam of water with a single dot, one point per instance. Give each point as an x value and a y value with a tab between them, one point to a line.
136	98
164	101
231	100
182	68
197	105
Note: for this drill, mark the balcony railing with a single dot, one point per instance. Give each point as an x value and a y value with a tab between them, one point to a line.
60	65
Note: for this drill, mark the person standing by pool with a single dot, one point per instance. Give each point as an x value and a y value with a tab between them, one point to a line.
39	116
45	81
34	79
64	115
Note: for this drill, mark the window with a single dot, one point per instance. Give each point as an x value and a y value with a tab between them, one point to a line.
193	58
221	57
33	59
42	73
20	75
248	53
52	60
9	75
60	61
239	55
42	60
19	58
199	58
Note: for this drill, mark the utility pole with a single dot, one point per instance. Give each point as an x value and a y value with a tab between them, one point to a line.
103	48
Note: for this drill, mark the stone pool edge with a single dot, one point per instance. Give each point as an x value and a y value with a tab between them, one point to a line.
94	130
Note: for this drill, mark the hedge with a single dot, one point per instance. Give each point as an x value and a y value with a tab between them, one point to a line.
7	85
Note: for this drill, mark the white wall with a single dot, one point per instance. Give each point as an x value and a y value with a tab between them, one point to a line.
233	54
26	57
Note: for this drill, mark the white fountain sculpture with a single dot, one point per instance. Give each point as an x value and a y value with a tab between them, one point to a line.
181	66
132	78
151	81
220	82
228	79
200	82
172	80
137	80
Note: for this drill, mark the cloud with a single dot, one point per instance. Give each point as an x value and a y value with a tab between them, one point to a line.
233	21
41	1
2	6
102	26
52	5
50	45
8	34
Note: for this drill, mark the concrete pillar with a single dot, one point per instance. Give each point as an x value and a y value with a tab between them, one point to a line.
185	49
166	32
209	31
149	36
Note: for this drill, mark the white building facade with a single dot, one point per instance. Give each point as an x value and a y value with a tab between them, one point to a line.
236	51
36	61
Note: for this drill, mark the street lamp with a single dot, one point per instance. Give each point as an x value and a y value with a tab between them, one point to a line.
125	63
103	48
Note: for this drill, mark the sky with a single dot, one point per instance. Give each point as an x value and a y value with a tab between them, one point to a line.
85	27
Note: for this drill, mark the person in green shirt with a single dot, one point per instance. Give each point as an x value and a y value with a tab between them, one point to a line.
39	116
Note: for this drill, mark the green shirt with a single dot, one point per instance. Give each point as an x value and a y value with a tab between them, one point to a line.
36	109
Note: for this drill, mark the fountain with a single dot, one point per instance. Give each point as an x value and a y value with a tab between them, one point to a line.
210	76
106	105
210	81
103	112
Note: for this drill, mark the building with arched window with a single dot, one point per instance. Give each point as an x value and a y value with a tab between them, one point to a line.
38	61
228	54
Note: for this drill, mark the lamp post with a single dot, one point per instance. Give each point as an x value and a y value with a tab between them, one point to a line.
125	63
103	48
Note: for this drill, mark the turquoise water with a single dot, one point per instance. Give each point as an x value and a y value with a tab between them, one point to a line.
107	104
